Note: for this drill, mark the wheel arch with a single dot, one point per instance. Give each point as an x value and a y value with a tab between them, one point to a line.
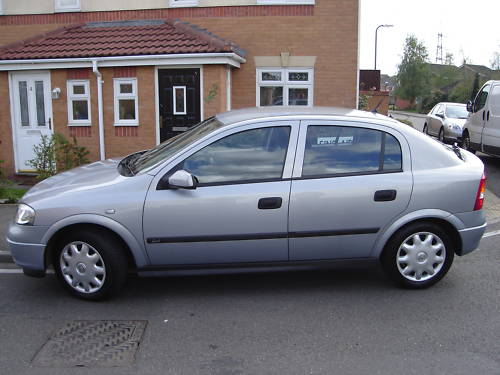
450	224
135	252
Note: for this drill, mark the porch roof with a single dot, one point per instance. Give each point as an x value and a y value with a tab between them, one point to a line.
123	38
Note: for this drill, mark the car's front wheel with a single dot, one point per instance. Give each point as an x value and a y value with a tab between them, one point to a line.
466	142
441	135
418	255
91	264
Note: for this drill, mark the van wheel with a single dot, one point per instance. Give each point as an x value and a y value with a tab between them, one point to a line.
425	130
418	256
466	142
441	135
91	264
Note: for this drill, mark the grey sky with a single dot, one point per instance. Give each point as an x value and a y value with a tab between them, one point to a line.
469	28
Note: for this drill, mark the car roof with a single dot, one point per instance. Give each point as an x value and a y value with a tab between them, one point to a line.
257	113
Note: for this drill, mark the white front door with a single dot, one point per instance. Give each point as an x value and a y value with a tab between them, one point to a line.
32	109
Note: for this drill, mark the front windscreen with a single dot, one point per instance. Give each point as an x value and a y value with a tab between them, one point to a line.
456	111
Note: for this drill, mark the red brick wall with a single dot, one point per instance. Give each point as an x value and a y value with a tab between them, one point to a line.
327	30
6	147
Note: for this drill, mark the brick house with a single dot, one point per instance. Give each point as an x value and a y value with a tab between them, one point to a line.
121	79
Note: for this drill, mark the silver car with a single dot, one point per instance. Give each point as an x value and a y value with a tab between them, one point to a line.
258	188
446	121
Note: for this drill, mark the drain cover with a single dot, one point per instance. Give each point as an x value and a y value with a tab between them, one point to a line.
97	343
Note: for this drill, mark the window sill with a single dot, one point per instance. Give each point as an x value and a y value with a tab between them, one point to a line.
118	124
67	10
83	124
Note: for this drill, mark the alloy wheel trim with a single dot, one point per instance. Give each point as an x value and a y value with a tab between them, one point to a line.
421	256
82	267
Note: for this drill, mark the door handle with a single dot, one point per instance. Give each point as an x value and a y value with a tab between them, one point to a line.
271	203
488	116
483	115
385	195
50	123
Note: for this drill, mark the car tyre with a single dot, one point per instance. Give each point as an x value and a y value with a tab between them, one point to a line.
418	255
425	130
441	135
466	142
91	264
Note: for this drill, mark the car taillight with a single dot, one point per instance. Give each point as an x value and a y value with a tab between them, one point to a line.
480	194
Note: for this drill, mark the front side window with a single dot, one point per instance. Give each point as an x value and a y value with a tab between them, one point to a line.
284	87
252	155
67	5
342	150
126	106
78	102
480	101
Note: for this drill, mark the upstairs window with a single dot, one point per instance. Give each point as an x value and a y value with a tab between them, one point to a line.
183	3
78	102
67	5
284	87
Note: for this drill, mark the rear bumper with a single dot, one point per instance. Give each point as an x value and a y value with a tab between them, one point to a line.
471	238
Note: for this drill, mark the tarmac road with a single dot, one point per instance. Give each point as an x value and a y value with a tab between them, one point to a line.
350	320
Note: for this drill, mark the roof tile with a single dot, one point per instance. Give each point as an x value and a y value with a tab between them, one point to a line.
124	38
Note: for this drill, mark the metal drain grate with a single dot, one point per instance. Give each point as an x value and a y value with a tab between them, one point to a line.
92	343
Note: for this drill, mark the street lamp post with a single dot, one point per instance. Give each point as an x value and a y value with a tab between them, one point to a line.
376	36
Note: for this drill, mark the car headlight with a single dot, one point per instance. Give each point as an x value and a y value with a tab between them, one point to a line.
25	215
457	127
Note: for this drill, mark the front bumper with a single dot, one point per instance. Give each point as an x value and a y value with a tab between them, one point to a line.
471	238
26	248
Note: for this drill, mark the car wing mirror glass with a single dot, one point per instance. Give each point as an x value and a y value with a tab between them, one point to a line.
441	115
182	179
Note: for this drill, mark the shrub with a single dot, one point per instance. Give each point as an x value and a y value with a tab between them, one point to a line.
56	154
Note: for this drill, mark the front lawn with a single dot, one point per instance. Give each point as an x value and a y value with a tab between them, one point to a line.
11	194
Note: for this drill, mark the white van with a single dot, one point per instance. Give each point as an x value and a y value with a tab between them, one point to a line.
482	129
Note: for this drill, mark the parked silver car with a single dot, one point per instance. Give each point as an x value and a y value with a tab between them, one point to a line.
446	121
258	188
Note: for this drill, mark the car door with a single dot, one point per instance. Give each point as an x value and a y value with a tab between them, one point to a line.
437	119
491	130
477	118
350	180
239	211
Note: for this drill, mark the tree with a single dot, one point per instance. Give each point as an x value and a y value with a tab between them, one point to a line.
495	61
449	59
475	87
413	77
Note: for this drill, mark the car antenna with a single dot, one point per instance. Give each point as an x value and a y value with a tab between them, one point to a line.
375	110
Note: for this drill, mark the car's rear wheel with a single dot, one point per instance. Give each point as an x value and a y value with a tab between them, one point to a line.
466	142
91	264
441	135
425	130
418	255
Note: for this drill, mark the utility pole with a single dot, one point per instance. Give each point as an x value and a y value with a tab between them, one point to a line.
439	51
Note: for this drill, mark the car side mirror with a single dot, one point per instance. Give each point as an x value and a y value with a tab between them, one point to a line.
182	179
441	115
470	106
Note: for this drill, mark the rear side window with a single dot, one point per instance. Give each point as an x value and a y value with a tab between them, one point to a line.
342	150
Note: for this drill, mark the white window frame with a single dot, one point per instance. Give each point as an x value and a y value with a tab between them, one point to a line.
67	8
184	88
183	3
287	84
132	96
73	97
290	2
